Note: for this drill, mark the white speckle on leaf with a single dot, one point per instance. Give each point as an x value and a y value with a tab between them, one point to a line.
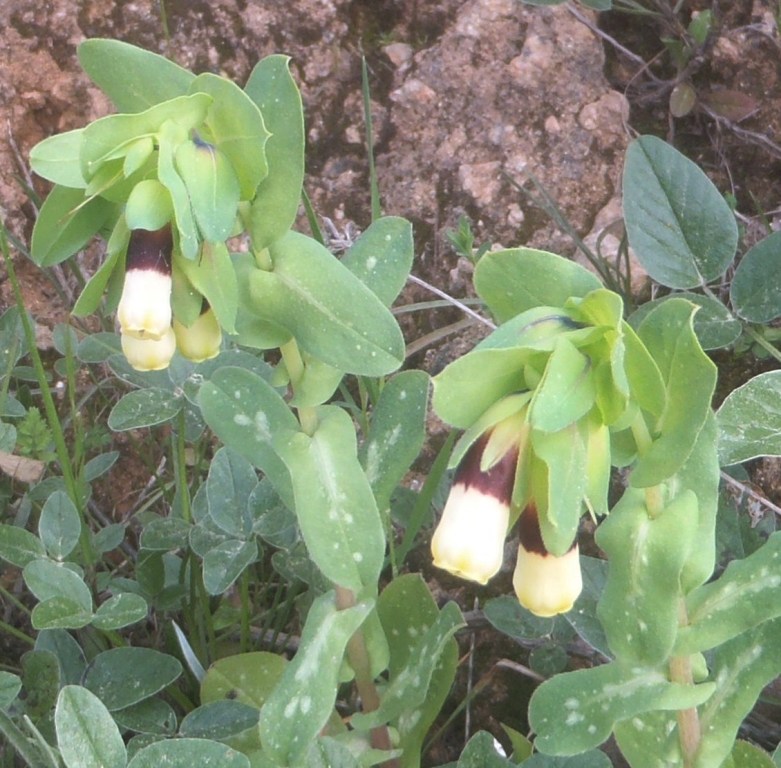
371	263
242	420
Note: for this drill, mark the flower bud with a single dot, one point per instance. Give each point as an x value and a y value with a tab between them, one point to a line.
545	584
144	310
469	540
149	354
202	340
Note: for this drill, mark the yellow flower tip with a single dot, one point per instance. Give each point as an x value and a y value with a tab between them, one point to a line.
149	354
202	340
547	585
469	540
144	310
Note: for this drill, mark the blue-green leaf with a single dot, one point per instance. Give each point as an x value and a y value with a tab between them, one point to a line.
678	224
87	735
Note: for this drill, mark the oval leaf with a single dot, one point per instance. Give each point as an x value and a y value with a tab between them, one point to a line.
678	224
124	676
87	735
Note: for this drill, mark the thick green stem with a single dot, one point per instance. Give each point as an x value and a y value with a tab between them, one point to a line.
689	733
295	366
654	498
358	656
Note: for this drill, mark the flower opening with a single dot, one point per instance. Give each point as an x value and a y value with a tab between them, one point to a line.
545	584
149	354
202	340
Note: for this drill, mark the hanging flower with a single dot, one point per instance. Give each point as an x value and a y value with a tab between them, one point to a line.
469	540
149	354
200	341
545	584
144	310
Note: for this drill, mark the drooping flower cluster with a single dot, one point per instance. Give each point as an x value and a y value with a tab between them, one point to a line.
149	334
469	540
537	400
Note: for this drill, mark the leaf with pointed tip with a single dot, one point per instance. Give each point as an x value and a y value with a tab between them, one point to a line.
278	196
57	159
134	79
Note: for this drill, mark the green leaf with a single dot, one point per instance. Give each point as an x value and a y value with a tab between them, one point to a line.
508	616
275	207
714	324
107	140
19	547
746	594
87	736
564	455
60	612
517	279
406	608
480	752
396	434
47	579
407	690
67	651
151	716
331	313
120	611
743	667
750	420
10	685
212	187
639	606
65	224
169	139
566	391
592	759
57	159
700	474
382	256
223	564
336	510
756	286
99	465
149	206
124	676
236	127
576	711
583	616
214	277
303	701
185	753
690	380
219	720
59	526
747	755
164	534
144	408
245	412
229	484
134	79
248	678
40	682
651	739
678	224
252	330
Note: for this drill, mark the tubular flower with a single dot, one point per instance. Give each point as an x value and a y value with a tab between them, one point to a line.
545	584
469	540
149	354
201	341
144	310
